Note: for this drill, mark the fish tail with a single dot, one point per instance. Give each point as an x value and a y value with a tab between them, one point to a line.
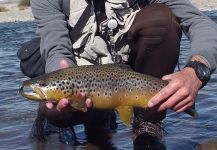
192	112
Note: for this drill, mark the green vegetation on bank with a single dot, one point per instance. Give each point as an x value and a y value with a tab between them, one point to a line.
24	3
3	9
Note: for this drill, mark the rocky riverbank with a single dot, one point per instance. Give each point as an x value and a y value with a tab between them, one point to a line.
15	14
205	5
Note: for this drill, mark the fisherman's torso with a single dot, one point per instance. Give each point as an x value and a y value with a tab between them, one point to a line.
90	44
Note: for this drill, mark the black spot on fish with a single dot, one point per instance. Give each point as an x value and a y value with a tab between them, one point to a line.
116	89
91	81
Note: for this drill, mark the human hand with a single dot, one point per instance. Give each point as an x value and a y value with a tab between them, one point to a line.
64	102
180	93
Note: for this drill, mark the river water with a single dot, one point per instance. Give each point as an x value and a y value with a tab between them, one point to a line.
17	114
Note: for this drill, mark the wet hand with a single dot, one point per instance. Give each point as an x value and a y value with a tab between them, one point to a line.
180	93
64	102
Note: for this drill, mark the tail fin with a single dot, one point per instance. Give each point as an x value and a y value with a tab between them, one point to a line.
192	111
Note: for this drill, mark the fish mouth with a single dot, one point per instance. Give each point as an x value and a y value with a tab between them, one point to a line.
32	93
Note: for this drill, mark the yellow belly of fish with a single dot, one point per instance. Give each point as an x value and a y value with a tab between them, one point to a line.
132	99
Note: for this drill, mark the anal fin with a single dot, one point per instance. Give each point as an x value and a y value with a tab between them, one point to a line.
126	114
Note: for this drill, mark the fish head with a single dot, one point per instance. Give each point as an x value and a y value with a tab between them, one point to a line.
45	88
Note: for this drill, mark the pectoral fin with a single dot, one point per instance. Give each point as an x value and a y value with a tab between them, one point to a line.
78	102
126	114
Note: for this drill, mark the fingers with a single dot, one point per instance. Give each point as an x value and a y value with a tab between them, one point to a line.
62	104
173	101
49	105
168	77
162	95
186	101
88	100
89	103
184	108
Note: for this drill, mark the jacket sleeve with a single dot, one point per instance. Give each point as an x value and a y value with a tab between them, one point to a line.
52	28
201	30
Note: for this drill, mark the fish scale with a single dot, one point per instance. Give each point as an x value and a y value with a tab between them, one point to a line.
109	87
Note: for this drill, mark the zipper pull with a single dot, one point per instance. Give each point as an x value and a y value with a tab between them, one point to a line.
113	24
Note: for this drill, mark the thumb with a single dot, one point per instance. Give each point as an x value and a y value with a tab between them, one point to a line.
167	77
64	64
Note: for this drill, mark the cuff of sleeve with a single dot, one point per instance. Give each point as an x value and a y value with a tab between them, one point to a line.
208	57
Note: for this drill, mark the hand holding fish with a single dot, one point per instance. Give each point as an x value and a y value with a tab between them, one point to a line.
180	93
64	102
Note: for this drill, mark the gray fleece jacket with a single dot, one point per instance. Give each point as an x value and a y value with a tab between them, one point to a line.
56	44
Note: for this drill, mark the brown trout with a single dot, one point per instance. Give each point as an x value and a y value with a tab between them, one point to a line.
109	87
